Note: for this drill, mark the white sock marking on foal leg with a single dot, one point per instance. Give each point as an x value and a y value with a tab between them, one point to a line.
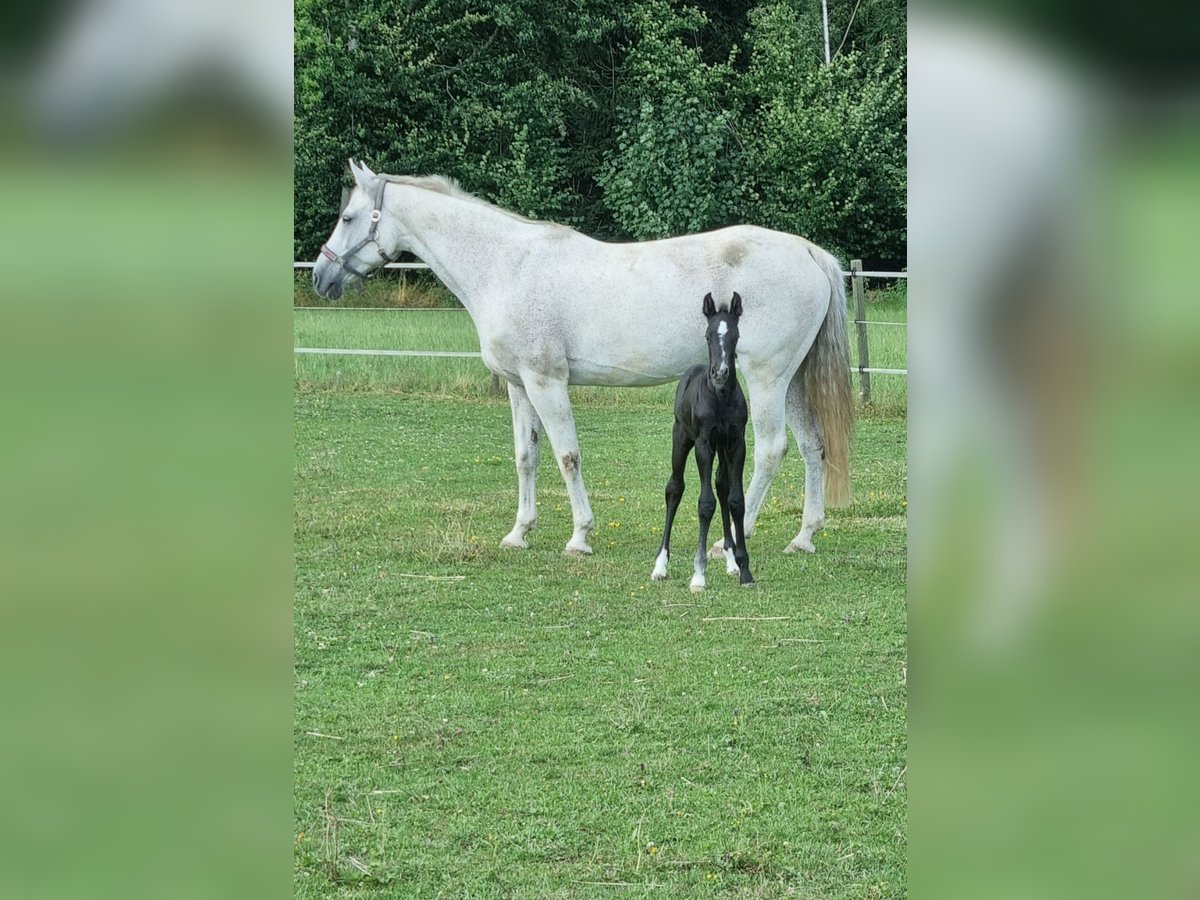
660	566
698	583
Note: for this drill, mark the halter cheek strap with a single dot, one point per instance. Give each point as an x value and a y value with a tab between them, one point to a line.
346	259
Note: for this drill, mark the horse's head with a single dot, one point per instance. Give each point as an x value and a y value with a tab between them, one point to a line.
722	339
361	242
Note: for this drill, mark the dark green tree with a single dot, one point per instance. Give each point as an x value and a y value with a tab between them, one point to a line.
625	118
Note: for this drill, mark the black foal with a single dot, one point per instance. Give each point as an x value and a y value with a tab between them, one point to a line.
710	414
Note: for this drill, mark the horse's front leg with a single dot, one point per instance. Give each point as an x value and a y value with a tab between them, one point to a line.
706	507
527	432
736	457
681	446
553	406
723	499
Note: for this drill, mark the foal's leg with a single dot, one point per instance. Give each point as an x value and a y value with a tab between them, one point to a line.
706	507
681	446
527	432
549	398
766	400
804	425
737	511
723	498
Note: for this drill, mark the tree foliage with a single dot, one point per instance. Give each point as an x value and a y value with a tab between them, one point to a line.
624	118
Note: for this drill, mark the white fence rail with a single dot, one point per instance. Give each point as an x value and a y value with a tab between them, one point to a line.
420	265
857	276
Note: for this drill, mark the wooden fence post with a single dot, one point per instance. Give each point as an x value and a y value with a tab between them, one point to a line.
860	318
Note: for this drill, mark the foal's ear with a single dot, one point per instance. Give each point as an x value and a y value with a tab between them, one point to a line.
735	307
710	308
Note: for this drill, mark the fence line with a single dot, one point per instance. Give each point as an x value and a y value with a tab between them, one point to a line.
459	309
414	265
417	265
337	351
856	275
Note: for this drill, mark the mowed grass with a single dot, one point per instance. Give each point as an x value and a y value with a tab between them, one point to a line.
472	722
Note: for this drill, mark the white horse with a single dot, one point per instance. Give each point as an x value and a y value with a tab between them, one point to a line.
554	307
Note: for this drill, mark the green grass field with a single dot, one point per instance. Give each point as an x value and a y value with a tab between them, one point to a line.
472	722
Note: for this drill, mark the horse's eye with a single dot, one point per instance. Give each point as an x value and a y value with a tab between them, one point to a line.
346	218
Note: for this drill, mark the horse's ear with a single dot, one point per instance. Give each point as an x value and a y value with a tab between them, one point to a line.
361	171
710	308
735	307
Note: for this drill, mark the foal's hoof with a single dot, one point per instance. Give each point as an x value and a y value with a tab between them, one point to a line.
731	566
717	550
660	566
514	543
805	544
697	584
574	549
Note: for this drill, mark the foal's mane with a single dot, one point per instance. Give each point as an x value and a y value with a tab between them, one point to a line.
440	184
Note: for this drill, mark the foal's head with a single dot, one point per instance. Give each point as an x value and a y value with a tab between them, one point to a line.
722	340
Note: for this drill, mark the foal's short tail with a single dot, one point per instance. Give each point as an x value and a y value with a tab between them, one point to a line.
826	374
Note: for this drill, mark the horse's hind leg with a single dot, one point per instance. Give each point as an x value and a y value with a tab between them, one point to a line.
550	399
804	425
527	432
681	446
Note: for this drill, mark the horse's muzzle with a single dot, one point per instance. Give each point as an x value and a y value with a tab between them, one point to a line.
327	281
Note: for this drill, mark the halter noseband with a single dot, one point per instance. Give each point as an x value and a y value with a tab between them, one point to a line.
345	260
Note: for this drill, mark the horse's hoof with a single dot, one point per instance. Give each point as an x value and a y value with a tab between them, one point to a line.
717	550
799	544
658	576
514	543
697	585
731	566
577	550
748	581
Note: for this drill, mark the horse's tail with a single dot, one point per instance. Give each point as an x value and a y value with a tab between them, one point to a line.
826	374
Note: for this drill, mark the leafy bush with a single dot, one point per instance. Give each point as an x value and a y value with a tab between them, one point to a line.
674	168
826	143
628	120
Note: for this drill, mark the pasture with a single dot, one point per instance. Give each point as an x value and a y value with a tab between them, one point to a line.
472	722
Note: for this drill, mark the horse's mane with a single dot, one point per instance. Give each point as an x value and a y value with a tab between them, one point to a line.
442	185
